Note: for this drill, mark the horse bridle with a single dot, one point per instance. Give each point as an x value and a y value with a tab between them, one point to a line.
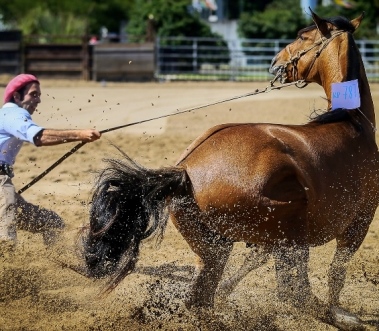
300	83
281	72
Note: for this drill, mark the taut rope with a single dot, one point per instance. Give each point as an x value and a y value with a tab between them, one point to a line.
270	88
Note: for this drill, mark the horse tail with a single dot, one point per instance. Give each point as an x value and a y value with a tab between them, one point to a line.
129	204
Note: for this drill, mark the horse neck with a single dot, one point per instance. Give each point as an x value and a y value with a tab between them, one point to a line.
350	67
367	105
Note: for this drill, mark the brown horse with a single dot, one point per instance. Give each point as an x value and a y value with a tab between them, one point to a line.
282	187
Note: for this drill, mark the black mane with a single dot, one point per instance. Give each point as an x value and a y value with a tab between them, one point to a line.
340	22
338	115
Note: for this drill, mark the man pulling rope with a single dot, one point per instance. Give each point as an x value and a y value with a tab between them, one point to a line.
21	98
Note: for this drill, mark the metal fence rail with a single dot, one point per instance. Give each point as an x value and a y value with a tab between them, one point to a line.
243	60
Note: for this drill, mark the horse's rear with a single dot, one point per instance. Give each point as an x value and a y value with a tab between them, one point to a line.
270	184
243	178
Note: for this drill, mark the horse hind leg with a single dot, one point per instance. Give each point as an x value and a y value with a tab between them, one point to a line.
212	251
256	257
212	257
291	264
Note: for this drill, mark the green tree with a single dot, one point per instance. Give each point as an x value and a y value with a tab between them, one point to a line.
64	16
48	23
174	18
167	18
368	28
256	5
279	20
282	19
108	13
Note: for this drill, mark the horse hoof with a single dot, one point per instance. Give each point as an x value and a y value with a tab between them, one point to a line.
344	320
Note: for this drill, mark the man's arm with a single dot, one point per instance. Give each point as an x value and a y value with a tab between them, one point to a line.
50	137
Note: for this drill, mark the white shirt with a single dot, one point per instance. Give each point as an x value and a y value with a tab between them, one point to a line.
16	126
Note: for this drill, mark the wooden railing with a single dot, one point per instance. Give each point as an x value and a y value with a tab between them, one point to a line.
10	52
123	61
64	57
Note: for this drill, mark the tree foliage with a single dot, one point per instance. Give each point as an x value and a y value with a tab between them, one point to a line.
168	18
64	16
65	24
368	28
282	19
259	18
279	20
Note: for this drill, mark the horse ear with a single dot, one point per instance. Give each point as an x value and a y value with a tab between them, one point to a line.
321	24
356	22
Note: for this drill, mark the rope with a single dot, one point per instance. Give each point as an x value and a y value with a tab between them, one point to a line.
80	145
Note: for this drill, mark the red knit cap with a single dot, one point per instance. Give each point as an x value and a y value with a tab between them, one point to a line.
16	84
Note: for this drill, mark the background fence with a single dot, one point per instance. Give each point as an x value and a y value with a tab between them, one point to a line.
10	52
66	58
123	62
243	60
169	58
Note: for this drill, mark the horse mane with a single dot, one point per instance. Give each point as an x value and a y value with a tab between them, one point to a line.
338	115
339	22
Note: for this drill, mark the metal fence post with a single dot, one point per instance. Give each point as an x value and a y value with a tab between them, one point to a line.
194	55
157	56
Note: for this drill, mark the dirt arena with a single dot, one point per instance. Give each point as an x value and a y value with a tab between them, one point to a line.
36	293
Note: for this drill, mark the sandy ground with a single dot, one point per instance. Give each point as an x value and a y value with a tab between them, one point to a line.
36	293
